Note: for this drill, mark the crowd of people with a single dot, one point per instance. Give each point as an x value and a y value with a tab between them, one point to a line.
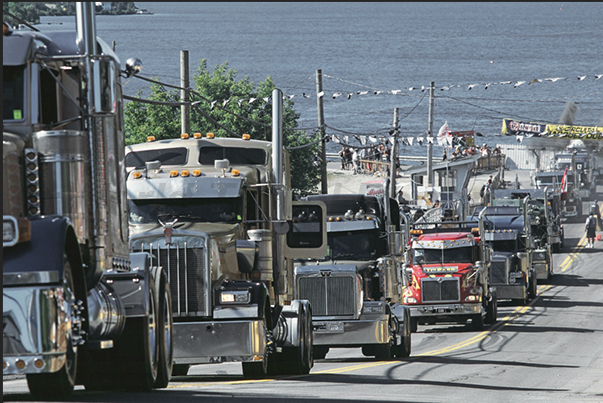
369	159
467	151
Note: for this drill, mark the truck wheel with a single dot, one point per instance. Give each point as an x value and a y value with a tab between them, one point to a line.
320	352
255	369
180	369
139	347
492	310
299	360
533	291
164	332
403	350
59	384
477	322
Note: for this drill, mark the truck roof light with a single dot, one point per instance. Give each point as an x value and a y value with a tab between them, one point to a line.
184	136
197	135
235	172
416	232
339	218
151	138
209	136
173	174
475	230
185	173
136	175
246	136
197	172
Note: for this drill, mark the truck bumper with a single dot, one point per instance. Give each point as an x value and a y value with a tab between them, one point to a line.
516	291
351	333
35	322
455	313
219	341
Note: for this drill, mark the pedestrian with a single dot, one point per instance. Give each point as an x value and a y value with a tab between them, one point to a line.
401	199
444	156
591	230
342	155
356	161
594	209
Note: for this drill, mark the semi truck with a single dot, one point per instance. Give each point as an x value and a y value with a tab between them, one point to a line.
78	307
508	231
356	288
447	267
218	214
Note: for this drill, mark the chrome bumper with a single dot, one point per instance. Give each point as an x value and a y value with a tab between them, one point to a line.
445	312
219	341
348	333
35	323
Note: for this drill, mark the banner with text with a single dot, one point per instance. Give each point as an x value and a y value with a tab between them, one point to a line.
517	128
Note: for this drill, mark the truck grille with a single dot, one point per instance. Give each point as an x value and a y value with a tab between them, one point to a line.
498	272
329	295
186	277
440	289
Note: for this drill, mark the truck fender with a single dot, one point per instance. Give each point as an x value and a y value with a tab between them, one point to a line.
401	313
133	286
288	322
258	295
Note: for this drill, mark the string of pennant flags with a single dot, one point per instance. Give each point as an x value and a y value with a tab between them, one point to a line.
422	88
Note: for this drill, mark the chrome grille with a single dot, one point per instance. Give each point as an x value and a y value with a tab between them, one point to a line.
440	289
498	272
185	275
329	295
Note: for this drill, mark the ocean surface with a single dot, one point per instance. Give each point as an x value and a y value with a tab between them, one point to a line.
376	57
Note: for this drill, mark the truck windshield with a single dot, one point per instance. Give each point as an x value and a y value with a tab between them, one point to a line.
354	245
504	246
443	256
147	211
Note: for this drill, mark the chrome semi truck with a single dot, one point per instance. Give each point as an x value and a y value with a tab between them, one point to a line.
218	214
356	288
78	307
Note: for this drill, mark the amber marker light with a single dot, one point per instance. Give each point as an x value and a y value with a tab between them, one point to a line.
235	172
173	174
197	135
151	138
184	136
185	173
209	136
246	137
197	172
136	175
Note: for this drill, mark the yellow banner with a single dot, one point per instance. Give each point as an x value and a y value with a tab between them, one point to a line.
517	128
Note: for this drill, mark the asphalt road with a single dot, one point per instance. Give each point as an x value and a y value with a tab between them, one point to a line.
548	350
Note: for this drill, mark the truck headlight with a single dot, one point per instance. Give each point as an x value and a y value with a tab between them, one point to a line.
10	232
235	297
472	298
410	300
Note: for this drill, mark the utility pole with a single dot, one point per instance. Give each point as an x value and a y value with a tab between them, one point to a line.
430	136
321	129
185	115
394	158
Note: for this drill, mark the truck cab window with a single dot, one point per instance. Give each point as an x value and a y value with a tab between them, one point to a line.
13	92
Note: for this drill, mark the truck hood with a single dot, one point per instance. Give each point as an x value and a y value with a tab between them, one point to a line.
192	233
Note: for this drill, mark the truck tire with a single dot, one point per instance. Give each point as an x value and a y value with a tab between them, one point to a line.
139	348
320	352
477	322
403	350
533	290
255	369
180	369
164	327
492	310
300	360
60	384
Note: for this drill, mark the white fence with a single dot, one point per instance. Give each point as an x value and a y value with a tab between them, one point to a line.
520	157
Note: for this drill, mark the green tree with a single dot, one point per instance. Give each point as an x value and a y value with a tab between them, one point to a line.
227	106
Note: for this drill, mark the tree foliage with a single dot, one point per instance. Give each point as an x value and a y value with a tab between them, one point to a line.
228	107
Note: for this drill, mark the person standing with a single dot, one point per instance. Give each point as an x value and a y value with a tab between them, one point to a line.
594	209
591	230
